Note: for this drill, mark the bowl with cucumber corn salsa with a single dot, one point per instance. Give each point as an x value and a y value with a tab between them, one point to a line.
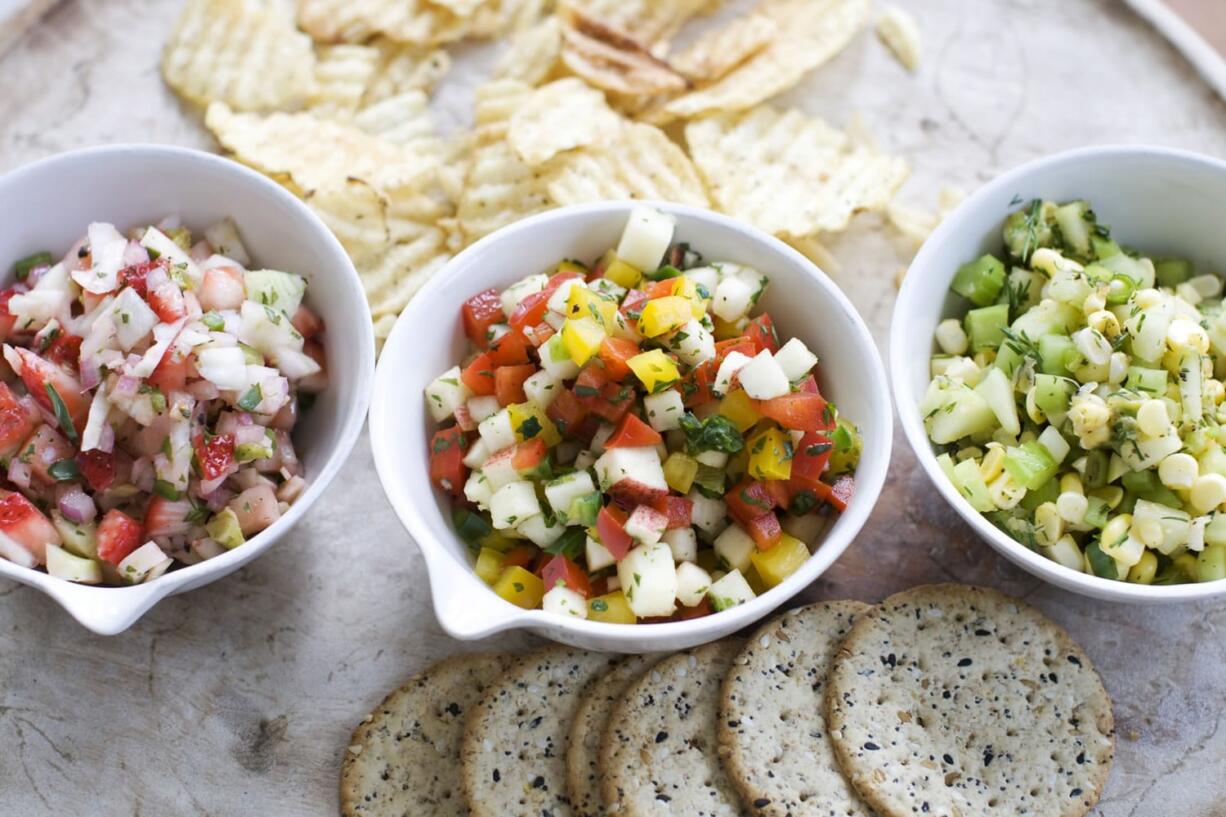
1074	396
625	436
186	361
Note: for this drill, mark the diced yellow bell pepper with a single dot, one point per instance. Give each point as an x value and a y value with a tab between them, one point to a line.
584	303
522	416
572	266
664	315
727	330
738	407
686	288
621	273
611	608
770	455
489	565
781	561
679	472
521	588
582	338
497	541
654	369
756	583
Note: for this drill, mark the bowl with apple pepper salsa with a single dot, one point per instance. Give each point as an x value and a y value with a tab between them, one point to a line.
630	441
150	386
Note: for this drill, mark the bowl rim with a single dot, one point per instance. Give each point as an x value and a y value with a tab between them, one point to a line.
127	604
923	267
410	514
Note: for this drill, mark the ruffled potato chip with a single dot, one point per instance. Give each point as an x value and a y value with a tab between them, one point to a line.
720	50
249	57
404	68
404	119
653	22
638	162
560	116
408	21
533	53
493	105
500	188
609	58
342	73
790	174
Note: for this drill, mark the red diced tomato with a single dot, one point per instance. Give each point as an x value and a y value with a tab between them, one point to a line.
725	347
614	352
7	321
97	468
764	530
585	432
480	312
748	500
660	289
632	432
562	571
799	411
567	412
509	350
215	455
447	468
808	385
610	526
615	402
118	535
172	372
529	454
590	383
695	386
519	556
539	334
530	312
479	375
509	383
678	509
761	331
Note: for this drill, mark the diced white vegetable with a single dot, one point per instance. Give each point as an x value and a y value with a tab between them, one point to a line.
267	329
640	465
556	360
477	490
564	490
707	514
692	583
280	291
541	388
646	238
729	590
223	238
179	261
733	298
562	601
584	459
445	393
15	553
646	525
795	359
64	565
499	468
224	367
732	364
714	459
513	503
734	546
476	455
603	432
144	564
516	292
482	407
683	542
1054	442
95	423
106	248
35	309
496	430
557	301
649	580
997	390
664	409
762	378
598	556
133	318
705	277
539	532
693	343
808	528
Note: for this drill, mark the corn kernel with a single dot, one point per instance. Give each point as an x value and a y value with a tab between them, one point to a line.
993	462
1148	531
663	315
1072	507
1094	302
1005	492
1147	298
1152	418
654	369
951	337
1185	333
1115	530
1143	571
1071	483
1117	368
1208	492
1104	322
582	338
1179	470
1049	527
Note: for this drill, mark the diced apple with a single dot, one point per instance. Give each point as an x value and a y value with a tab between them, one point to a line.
707	514
499	469
762	378
256	509
144	564
598	556
732	364
537	530
683	542
482	408
446	392
729	590
557	301
664	409
646	238
476	455
64	565
496	430
513	503
646	525
564	490
562	601
692	583
541	388
649	580
733	298
477	489
693	343
795	359
734	546
632	474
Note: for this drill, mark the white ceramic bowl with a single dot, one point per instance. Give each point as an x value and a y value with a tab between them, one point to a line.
428	339
47	205
1160	201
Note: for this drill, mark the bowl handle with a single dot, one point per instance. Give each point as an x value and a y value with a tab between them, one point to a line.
106	610
465	611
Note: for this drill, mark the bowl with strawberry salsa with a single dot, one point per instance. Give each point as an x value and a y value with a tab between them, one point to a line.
154	386
627	448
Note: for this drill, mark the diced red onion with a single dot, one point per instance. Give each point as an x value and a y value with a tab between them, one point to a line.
75	504
19	473
126	386
91	373
142	474
249	435
203	390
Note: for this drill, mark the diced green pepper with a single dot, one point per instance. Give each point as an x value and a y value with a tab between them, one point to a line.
1047	492
1052	394
968	479
583	510
472	527
1101	564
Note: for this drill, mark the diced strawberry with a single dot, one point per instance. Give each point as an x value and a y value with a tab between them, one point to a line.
509	383
118	535
561	571
632	432
17	422
25	524
167	517
166	299
764	530
678	509
214	455
307	322
480	312
611	528
48	447
479	375
447	469
315	383
64	349
509	350
172	372
761	331
630	493
7	321
41	377
135	276
97	468
222	288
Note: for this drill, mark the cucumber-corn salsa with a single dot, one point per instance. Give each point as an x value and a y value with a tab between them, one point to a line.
1078	400
627	443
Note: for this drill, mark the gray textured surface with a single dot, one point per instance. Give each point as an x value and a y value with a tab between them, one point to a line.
239	698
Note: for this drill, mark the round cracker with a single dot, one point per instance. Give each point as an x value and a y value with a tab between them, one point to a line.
513	755
954	700
401	759
583	748
660	754
772	725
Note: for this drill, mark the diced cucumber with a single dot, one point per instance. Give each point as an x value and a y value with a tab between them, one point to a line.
1140	273
1047	318
1028	229
1047	492
947	466
471	527
1052	394
968	479
980	280
1171	272
70	567
79	538
953	410
1098	464
1008	358
1152	381
985	326
1103	247
1101	564
225	529
1031	464
997	390
1096	512
1074	220
279	290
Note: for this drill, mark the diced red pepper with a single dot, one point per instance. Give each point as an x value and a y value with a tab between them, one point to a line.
509	383
567	412
614	352
678	509
695	386
509	350
604	398
808	385
562	571
480	312
7	320
702	608
215	455
118	535
447	468
779	493
798	411
97	468
632	432
726	347
764	530
529	454
748	500
761	331
811	456
660	289
610	527
479	375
